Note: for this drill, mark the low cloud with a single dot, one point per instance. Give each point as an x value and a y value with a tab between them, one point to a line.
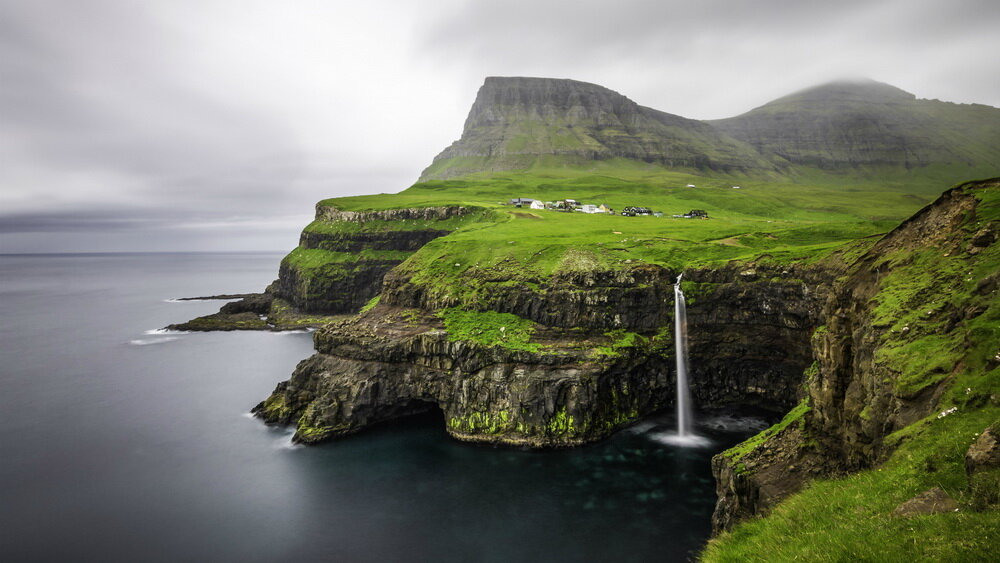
192	124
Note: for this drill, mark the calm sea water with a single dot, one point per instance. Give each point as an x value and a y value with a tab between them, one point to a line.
117	445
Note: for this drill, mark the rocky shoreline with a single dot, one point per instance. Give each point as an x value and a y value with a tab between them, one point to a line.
253	311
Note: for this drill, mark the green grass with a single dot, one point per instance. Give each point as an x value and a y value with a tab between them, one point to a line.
936	327
489	328
532	245
620	340
775	221
795	415
311	259
849	519
371	304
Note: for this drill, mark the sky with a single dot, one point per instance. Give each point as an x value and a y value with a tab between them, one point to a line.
215	125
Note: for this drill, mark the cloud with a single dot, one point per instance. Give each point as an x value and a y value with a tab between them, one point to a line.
715	58
191	118
184	111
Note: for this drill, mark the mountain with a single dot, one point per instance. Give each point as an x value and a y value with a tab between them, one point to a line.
860	127
851	124
516	123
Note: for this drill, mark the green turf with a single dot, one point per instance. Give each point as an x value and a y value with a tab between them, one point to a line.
850	519
937	326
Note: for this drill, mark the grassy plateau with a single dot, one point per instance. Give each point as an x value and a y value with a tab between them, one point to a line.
798	219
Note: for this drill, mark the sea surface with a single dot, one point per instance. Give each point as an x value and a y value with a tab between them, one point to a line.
118	443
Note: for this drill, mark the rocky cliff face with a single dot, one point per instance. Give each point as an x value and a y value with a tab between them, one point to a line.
515	121
337	268
393	362
753	322
604	356
914	318
343	255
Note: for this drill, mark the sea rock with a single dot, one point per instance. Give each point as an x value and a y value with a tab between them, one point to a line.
257	303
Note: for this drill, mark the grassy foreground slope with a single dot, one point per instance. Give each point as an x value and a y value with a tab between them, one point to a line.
850	519
934	326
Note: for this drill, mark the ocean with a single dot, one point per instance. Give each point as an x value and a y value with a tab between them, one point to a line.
122	443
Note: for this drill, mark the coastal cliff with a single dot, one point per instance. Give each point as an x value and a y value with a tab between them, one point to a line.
337	268
537	328
392	362
570	362
908	332
343	255
864	351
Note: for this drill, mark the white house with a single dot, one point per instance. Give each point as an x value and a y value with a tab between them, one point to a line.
588	208
537	204
690	185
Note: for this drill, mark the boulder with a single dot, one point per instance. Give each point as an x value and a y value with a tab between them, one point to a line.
934	501
982	466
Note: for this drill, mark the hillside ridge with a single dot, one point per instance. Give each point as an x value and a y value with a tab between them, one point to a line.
862	127
519	122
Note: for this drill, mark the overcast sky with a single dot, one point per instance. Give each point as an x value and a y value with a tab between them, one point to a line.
217	124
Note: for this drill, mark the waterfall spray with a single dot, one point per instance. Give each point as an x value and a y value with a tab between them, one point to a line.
684	418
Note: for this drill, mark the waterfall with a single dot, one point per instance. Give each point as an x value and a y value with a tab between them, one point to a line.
685	436
684	417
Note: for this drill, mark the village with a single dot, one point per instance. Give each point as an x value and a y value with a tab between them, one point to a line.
572	205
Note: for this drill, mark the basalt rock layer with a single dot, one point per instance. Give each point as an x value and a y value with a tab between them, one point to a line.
391	362
337	268
343	255
604	356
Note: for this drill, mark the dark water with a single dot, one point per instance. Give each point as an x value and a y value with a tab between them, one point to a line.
117	445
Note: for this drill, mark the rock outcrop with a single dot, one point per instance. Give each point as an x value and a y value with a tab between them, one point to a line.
580	385
337	268
343	255
933	501
982	467
393	362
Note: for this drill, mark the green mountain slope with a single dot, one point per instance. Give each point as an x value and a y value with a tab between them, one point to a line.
856	125
842	133
520	123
